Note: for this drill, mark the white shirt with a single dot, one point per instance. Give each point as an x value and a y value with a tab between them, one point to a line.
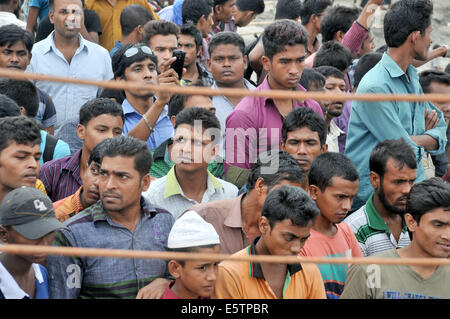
10	18
9	287
91	62
332	137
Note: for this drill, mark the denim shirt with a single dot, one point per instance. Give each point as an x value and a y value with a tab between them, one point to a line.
100	277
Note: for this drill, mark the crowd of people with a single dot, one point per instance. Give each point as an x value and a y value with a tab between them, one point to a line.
87	167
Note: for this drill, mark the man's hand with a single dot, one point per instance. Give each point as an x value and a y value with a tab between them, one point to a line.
431	119
165	65
154	290
167	79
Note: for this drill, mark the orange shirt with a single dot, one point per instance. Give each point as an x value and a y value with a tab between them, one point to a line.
39	185
68	207
110	18
245	280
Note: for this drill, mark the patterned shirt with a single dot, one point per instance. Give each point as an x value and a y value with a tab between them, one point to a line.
69	206
371	231
100	277
61	177
167	193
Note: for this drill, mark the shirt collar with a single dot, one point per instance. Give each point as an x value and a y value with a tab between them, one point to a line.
247	84
74	162
128	108
173	187
375	221
76	201
9	287
255	269
234	217
264	86
394	69
335	131
98	212
50	42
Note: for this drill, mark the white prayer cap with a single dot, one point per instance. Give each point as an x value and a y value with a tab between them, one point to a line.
191	230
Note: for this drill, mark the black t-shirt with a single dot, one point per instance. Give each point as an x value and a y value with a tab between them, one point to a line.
91	21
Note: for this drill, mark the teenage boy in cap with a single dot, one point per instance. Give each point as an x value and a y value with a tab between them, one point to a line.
193	278
26	218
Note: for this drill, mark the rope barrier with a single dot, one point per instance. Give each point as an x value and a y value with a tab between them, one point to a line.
140	254
192	90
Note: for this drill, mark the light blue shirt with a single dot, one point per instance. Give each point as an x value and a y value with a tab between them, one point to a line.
374	122
61	148
90	61
163	127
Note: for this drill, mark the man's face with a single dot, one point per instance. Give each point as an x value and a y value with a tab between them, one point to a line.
120	184
19	165
336	200
284	238
67	18
304	145
368	45
192	148
163	46
100	128
422	44
205	24
90	184
432	234
243	18
14	56
394	187
226	12
315	86
441	88
286	67
227	64
187	44
144	71
334	85
197	278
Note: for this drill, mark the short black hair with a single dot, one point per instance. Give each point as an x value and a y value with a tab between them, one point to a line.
289	202
381	49
328	165
281	33
327	71
288	9
338	18
132	16
23	92
426	196
405	17
193	10
97	152
11	34
177	101
429	76
207	119
226	37
118	95
8	107
257	6
161	27
191	30
364	65
287	169
335	54
304	117
398	150
97	107
311	7
120	62
128	146
20	129
310	76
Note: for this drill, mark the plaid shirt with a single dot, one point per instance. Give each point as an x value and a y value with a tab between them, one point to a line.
61	177
100	277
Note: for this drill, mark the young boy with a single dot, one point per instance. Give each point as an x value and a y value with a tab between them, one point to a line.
26	218
193	278
333	183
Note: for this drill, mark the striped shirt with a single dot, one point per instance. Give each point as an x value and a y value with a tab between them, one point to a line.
99	277
371	231
61	177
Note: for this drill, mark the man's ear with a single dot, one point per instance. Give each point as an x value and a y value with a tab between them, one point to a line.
51	17
173	119
282	146
339	36
245	62
375	180
3	235
264	225
324	148
314	191
411	222
23	111
266	63
174	268
145	182
81	131
260	186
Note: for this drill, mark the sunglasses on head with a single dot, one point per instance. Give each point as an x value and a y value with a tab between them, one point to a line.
134	50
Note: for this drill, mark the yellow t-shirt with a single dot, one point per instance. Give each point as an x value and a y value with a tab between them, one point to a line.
110	18
39	185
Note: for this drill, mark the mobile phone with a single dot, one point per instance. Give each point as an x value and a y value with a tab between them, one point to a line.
178	64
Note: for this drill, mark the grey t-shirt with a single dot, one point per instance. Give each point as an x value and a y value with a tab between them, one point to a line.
394	281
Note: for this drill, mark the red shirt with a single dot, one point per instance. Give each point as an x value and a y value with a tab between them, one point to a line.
169	294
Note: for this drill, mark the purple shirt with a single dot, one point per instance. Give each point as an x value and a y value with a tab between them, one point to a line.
61	177
254	127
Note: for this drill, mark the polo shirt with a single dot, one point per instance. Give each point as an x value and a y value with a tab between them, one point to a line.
371	231
167	193
163	127
69	206
61	177
371	123
226	217
245	280
254	126
100	277
9	289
